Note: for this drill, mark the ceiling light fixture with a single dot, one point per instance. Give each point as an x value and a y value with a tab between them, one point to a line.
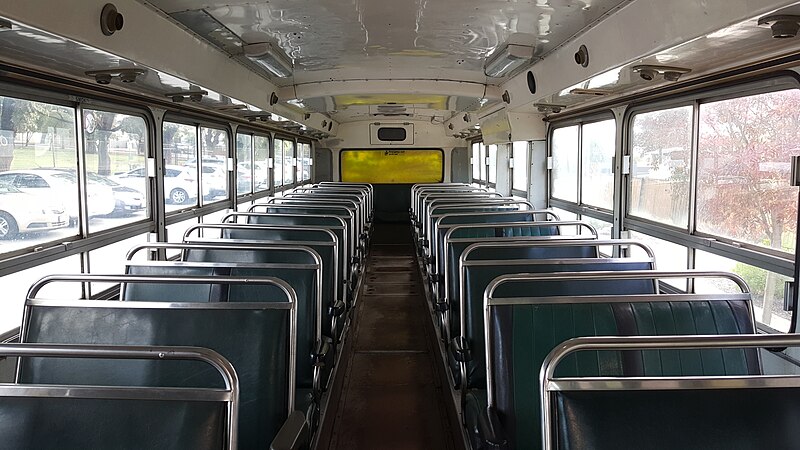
270	57
586	91
193	95
649	72
782	25
548	108
507	59
126	75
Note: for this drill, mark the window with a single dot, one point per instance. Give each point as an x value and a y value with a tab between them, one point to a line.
584	151
278	163
303	161
15	288
564	175
180	170
597	153
767	288
114	144
288	163
38	162
520	151
261	163
477	161
213	165
483	164
492	149
244	164
661	143
669	256
392	166
744	156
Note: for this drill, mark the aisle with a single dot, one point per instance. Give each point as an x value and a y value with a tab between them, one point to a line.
392	396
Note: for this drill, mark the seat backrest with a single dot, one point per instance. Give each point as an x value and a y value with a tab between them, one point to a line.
316	237
443	223
328	253
454	248
500	228
49	416
301	277
254	337
671	412
174	292
523	334
477	275
678	418
334	223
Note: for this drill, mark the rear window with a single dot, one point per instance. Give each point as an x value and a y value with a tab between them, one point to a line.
392	166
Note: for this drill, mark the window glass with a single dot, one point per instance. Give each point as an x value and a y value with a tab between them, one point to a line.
476	160
603	229
38	160
261	163
669	256
597	152
214	175
483	162
176	231
661	144
288	162
278	163
114	144
744	158
392	166
520	171
567	216
110	259
215	217
564	215
564	176
180	170
492	163
244	164
765	287
15	289
303	161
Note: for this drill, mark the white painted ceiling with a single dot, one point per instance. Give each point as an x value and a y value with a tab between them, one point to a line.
385	39
363	60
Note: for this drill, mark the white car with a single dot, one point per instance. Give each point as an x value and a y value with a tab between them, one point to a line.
260	172
215	181
49	184
127	199
21	212
180	183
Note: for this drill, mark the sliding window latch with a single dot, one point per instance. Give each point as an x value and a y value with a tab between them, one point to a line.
549	163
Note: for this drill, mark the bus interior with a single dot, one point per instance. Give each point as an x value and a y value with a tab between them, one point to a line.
328	224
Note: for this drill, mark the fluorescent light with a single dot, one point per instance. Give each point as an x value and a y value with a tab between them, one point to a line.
270	57
508	59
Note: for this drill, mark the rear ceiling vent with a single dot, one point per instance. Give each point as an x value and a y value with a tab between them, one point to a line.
392	110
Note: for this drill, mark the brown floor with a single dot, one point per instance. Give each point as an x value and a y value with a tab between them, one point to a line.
392	395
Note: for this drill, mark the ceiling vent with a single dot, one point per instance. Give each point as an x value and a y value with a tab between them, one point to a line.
392	110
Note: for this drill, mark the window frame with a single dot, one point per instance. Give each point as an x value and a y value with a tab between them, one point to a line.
528	151
578	207
780	263
255	194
